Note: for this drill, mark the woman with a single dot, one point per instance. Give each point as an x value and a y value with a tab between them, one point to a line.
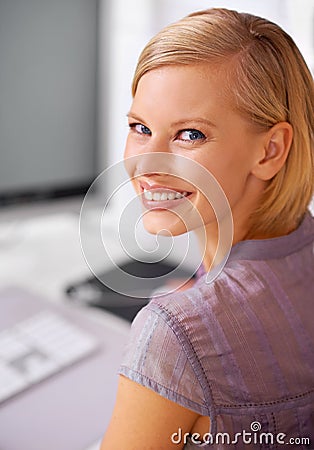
228	363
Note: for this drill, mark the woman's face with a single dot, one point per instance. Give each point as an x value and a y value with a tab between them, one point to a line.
186	111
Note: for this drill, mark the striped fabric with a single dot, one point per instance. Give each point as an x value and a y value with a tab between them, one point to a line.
241	349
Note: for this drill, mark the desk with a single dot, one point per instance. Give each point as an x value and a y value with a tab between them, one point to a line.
40	247
40	252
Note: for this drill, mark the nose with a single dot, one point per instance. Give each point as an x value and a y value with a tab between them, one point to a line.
155	144
149	162
150	157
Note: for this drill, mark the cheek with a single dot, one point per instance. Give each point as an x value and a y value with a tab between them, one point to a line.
130	160
128	149
230	173
205	209
135	144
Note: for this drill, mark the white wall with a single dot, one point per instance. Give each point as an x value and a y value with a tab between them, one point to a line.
301	24
275	10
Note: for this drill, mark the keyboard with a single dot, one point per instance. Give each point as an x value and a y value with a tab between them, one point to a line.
38	347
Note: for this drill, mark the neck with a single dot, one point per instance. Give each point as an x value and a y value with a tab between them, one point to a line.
215	241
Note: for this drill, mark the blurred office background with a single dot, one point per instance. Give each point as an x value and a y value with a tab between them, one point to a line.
66	70
65	75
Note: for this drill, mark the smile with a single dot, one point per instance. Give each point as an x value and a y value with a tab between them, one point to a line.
163	195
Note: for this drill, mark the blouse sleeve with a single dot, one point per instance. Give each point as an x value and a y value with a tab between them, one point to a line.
155	358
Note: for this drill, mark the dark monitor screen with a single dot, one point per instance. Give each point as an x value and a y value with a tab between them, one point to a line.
48	98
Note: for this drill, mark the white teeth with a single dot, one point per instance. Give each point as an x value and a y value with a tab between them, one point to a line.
156	196
148	195
163	196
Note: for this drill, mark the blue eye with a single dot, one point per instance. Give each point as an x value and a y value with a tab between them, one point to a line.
191	135
140	128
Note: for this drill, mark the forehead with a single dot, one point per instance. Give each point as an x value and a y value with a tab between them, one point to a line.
190	88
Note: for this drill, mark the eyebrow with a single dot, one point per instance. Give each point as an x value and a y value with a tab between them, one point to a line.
134	116
179	122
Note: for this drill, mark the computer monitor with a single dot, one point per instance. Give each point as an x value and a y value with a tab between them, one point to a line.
48	91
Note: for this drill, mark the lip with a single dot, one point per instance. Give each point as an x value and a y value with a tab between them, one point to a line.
162	204
155	187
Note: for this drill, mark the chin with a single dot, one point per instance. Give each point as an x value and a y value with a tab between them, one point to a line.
165	223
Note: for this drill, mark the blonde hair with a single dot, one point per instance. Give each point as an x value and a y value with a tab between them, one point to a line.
270	83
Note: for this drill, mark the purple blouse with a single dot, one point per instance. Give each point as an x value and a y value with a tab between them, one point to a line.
240	349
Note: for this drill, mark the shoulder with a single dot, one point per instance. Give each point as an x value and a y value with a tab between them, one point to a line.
158	355
227	323
256	271
186	310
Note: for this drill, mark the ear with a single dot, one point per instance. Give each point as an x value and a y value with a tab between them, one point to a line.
276	145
